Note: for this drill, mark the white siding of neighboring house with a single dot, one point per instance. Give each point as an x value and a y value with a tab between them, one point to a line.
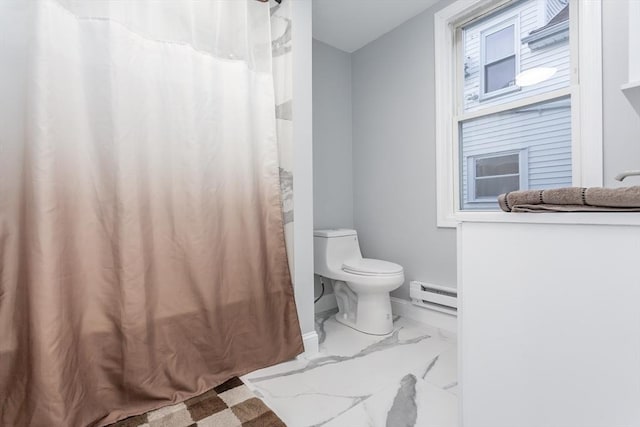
547	133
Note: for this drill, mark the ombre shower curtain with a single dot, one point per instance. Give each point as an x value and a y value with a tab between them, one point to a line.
142	249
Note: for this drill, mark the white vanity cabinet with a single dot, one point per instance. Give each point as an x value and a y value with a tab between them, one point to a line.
549	320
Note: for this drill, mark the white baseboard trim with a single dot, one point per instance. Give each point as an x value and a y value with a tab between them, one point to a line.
310	341
434	318
327	302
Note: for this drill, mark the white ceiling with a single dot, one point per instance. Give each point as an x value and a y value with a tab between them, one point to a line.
351	24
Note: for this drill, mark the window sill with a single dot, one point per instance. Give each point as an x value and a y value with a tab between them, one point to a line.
491	96
573	218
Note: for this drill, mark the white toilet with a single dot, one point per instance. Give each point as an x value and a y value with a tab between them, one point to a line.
361	285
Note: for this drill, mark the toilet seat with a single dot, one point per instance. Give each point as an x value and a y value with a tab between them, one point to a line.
371	267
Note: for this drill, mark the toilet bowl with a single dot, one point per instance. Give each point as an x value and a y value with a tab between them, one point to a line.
361	285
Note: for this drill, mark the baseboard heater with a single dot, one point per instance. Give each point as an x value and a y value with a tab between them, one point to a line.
434	297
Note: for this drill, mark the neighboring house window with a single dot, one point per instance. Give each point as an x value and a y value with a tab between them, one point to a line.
498	129
499	56
496	174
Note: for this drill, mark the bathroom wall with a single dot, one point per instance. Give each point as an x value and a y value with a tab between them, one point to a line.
394	154
332	153
332	148
303	167
621	122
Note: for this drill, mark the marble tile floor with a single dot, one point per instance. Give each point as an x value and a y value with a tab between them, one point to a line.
407	378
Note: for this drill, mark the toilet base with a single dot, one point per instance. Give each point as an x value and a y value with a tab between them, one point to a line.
353	326
367	312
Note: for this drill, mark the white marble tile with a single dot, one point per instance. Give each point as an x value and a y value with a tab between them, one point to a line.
436	408
342	340
452	388
278	369
443	371
411	402
307	407
370	411
352	368
367	375
362	373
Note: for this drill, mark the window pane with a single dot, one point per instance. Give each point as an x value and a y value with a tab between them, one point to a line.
499	45
502	165
541	132
535	47
500	74
492	187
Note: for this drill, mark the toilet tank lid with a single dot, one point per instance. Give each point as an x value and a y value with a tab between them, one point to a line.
334	232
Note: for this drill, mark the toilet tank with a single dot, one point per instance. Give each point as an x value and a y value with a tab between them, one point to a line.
332	248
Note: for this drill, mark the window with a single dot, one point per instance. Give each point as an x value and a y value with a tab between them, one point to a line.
499	56
495	174
515	108
503	120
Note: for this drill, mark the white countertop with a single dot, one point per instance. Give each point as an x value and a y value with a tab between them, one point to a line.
594	218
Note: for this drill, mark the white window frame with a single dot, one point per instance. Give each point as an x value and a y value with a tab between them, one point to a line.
585	91
523	173
491	28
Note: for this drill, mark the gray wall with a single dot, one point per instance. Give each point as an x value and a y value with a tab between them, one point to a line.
394	154
332	153
332	148
621	122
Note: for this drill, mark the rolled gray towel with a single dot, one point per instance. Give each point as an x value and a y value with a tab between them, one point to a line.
563	196
502	201
572	199
523	197
624	197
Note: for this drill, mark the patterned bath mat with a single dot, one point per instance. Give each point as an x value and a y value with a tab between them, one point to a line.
231	404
